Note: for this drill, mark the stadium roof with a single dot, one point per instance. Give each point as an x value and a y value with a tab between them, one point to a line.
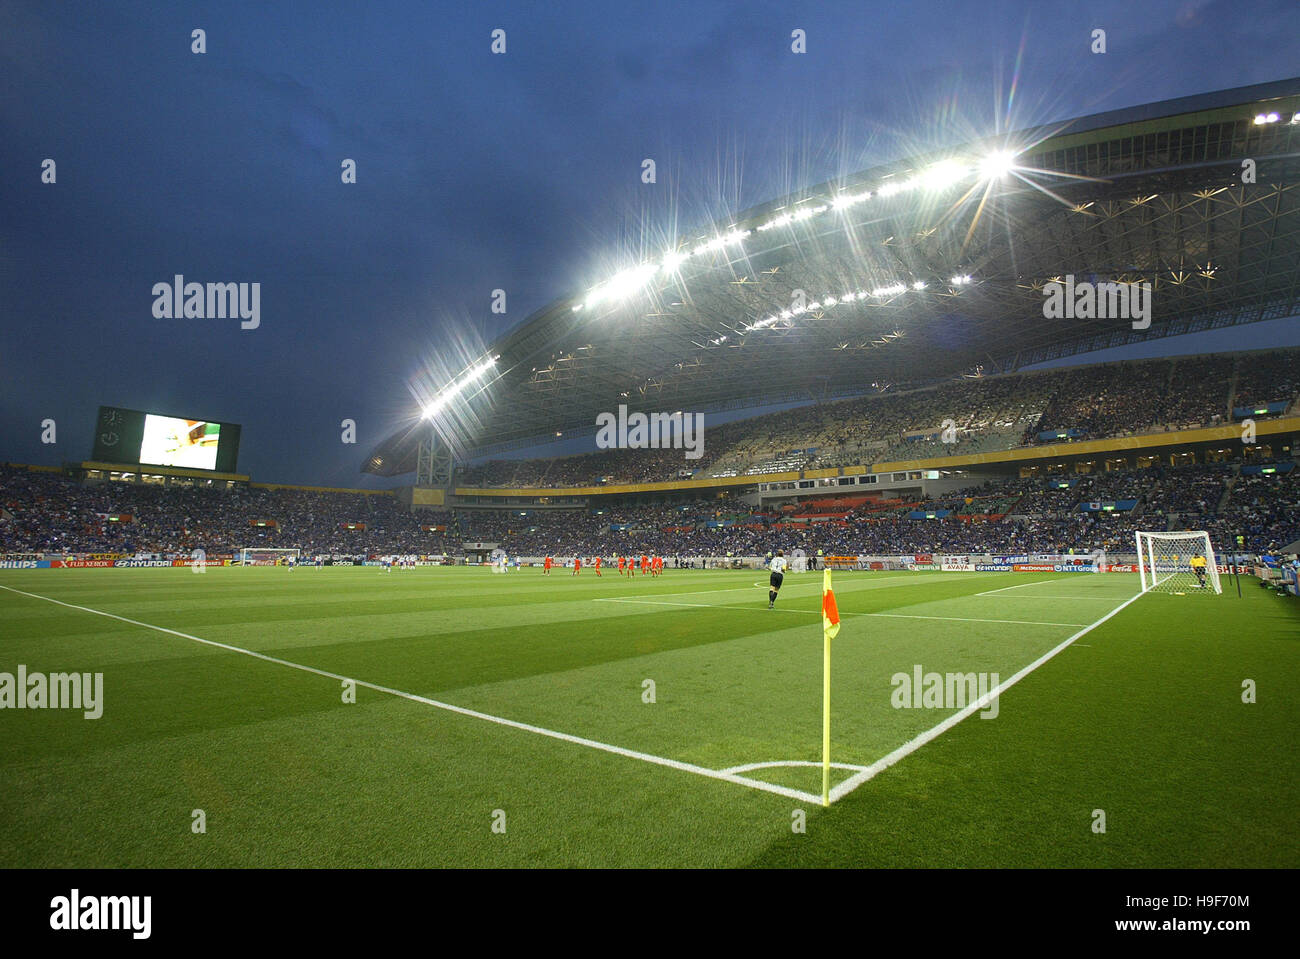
922	270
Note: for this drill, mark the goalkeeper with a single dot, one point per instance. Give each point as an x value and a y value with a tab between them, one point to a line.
1198	567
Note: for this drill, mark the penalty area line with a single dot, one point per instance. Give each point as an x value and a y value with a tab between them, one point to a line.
1037	582
719	774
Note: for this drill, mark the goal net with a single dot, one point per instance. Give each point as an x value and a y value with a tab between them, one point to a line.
259	556
1179	563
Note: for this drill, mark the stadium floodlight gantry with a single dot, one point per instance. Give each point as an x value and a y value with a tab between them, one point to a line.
927	269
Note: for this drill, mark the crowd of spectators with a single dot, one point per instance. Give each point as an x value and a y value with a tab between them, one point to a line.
1265	508
1268	378
973	415
47	512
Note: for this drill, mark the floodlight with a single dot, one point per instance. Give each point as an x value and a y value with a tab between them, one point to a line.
997	164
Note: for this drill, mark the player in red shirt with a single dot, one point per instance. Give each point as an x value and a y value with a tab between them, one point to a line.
597	565
621	564
577	565
645	562
546	566
657	565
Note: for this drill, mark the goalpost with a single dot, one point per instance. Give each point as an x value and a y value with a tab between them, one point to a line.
1179	563
262	556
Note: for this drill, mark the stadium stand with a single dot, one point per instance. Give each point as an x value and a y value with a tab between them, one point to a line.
981	414
48	512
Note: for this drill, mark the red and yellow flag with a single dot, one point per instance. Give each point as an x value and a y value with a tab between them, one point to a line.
830	612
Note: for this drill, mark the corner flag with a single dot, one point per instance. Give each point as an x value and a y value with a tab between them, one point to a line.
830	612
830	627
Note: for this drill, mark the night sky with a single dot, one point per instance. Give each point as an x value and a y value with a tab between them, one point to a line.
475	172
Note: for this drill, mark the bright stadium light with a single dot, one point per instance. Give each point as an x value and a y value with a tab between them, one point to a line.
785	219
919	285
846	200
1262	118
674	259
623	284
942	175
720	242
447	395
960	280
997	164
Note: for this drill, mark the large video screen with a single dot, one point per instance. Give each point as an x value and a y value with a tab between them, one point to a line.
159	439
169	441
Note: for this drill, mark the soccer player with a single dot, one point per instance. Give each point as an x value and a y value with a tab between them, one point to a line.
777	566
621	564
1198	567
657	566
546	566
645	562
577	566
597	565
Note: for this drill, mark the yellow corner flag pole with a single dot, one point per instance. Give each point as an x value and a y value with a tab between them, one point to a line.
830	626
826	722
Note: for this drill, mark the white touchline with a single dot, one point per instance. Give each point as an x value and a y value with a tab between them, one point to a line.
902	752
566	737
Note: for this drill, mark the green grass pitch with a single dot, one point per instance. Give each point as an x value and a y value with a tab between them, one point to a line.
1141	717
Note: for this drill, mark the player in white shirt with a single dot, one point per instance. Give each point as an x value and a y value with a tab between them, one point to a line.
777	566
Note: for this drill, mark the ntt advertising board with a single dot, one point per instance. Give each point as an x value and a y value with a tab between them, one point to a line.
161	439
